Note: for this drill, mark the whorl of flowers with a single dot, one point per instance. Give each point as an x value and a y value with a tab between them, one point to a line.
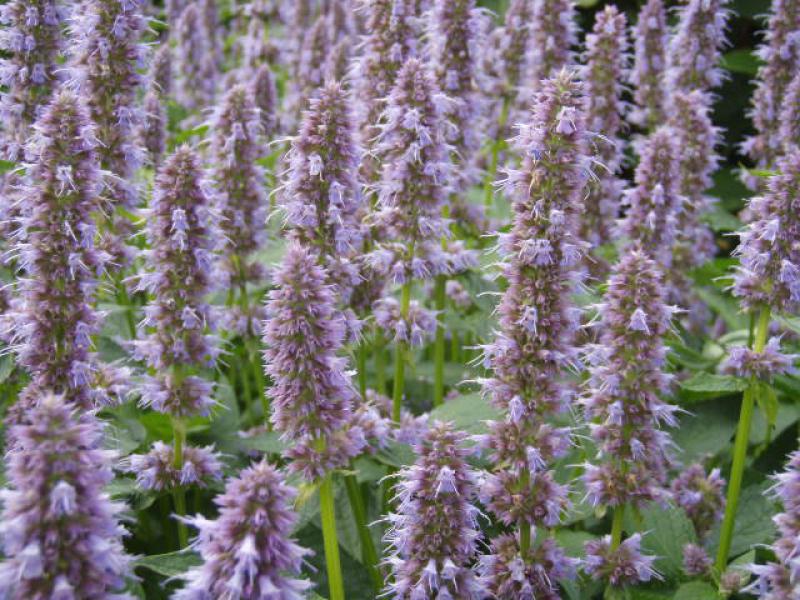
418	326
195	69
312	397
265	96
54	320
553	36
61	533
650	41
695	47
789	118
240	199
322	196
624	405
622	566
247	552
454	46
779	54
434	532
153	131
700	495
769	248
696	562
156	470
177	343
744	362
780	580
654	202
605	73
31	42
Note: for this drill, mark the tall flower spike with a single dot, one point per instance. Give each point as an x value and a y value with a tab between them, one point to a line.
247	552
650	38
265	96
789	130
53	320
433	535
769	248
310	73
627	382
780	580
107	63
605	72
553	36
153	132
312	397
322	196
195	70
240	199
654	203
534	349
31	42
779	53
695	46
177	343
513	50
625	565
61	533
701	496
160	73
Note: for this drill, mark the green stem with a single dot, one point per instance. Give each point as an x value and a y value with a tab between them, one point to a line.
179	494
329	538
740	449
616	527
497	145
438	345
524	526
368	553
380	363
361	358
401	349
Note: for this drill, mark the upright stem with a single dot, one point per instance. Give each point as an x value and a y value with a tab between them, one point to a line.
740	449
361	358
616	526
438	344
524	526
329	538
368	553
491	173
380	362
401	349
179	494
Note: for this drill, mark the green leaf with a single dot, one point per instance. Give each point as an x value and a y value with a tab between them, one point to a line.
721	220
707	429
696	590
669	530
753	523
572	541
468	413
786	415
6	366
171	564
742	61
268	442
7	165
712	385
767	401
396	455
186	134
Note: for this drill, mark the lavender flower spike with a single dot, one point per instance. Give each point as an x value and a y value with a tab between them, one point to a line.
177	341
789	119
780	580
312	397
247	553
61	533
605	73
52	322
779	54
434	532
627	382
624	565
196	70
153	132
32	44
553	36
651	38
700	495
265	96
536	339
769	250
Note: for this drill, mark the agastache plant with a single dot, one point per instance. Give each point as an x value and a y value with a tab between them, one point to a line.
766	282
789	118
779	54
434	532
176	340
247	552
195	68
62	536
534	350
265	96
311	395
553	36
624	404
650	39
52	321
605	74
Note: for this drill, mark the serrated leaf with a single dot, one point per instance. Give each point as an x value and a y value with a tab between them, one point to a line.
171	564
468	413
696	590
668	531
753	523
708	429
714	385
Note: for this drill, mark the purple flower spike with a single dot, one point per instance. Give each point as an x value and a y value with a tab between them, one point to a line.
195	69
31	43
160	74
654	203
695	46
513	46
624	566
627	381
789	130
780	580
651	38
415	181
744	362
696	562
605	74
779	53
322	196
52	322
247	552
310	74
265	96
769	248
553	36
61	534
701	496
433	535
153	132
156	470
177	343
312	396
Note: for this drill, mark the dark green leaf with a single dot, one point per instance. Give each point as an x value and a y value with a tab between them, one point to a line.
714	385
753	523
707	430
742	61
668	531
767	401
469	413
696	590
268	442
171	564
